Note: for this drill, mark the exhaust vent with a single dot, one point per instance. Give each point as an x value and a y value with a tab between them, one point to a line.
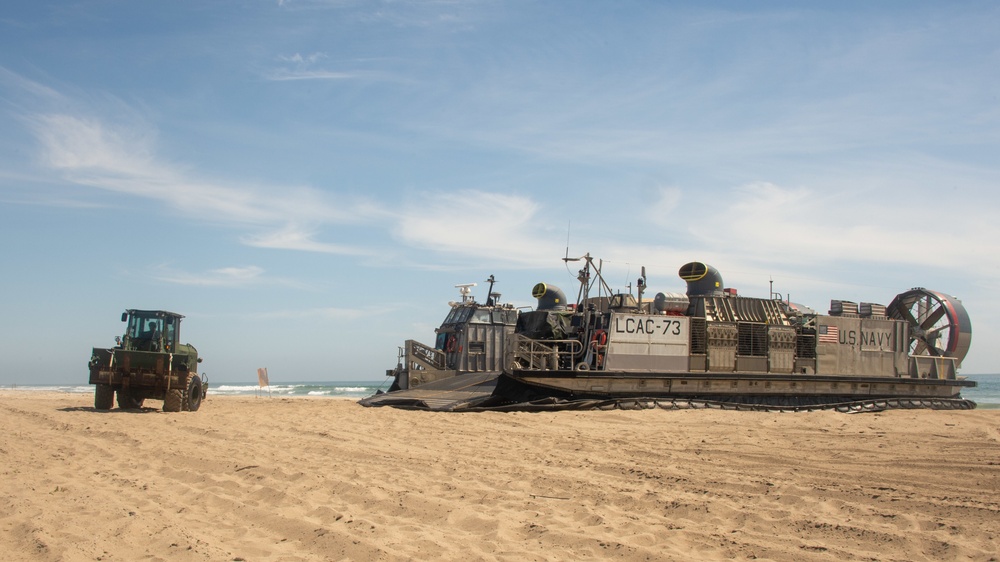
549	297
703	280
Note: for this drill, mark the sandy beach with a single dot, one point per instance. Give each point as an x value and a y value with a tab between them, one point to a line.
253	479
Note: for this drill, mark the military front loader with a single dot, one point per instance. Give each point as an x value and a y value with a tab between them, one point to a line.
149	362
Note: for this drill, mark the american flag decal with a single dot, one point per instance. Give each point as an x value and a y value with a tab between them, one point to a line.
828	334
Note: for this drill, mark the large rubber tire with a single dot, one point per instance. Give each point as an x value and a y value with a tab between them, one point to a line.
192	393
127	400
172	401
104	397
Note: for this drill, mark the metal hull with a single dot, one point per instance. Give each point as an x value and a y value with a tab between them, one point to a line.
560	390
606	384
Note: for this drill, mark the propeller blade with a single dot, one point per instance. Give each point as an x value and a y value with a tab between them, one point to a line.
904	310
933	318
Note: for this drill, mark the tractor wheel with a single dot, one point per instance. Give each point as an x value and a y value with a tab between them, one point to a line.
104	397
172	401
192	394
127	400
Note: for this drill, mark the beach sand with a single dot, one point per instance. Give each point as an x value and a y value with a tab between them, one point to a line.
253	479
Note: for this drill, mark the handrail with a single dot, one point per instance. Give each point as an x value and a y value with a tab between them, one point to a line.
544	355
423	356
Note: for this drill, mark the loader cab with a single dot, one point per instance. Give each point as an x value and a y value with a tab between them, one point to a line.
151	330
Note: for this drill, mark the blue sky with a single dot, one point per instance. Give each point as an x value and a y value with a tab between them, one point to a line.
307	180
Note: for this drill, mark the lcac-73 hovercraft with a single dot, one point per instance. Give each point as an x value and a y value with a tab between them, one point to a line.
710	347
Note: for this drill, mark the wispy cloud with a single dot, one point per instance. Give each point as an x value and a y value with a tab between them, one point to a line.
286	74
294	238
30	87
228	277
317	66
427	13
329	313
661	209
833	227
477	224
58	201
122	158
221	277
298	58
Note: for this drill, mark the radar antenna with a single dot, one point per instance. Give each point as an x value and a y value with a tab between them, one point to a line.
466	290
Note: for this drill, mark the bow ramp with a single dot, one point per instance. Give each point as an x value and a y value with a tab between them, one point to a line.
446	395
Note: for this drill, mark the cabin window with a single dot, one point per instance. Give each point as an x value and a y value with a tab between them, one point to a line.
463	315
143	327
458	315
452	316
170	334
481	316
144	332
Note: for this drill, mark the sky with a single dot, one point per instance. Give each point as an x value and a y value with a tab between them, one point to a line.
307	180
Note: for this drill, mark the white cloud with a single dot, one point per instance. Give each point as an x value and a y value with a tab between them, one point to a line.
287	74
122	159
83	145
329	313
310	67
661	210
31	87
293	238
299	59
481	225
221	277
239	273
766	221
227	277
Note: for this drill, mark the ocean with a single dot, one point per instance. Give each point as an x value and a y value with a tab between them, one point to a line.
320	389
986	394
328	389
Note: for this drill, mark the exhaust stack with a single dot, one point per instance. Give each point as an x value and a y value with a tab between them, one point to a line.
702	280
549	297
